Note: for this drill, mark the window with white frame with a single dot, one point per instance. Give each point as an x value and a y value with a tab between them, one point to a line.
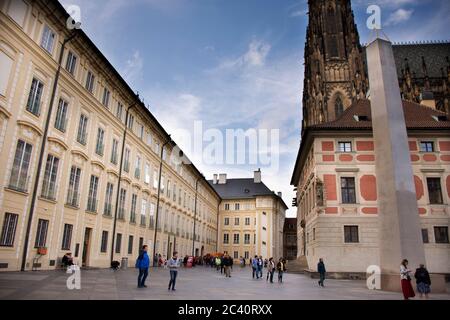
19	173
48	39
71	62
90	82
105	99
34	97
50	174
61	115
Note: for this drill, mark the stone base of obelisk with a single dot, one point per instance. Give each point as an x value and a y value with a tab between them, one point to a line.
391	282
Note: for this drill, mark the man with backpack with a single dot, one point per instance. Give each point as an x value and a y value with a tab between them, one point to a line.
143	263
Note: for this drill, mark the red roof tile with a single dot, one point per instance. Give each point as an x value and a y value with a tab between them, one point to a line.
417	116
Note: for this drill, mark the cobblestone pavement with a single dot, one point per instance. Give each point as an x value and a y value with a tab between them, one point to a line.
199	283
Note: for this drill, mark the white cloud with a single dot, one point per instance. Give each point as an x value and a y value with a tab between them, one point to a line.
399	16
133	69
255	56
248	92
299	13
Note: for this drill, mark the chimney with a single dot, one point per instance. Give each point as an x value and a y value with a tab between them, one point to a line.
257	176
280	194
215	179
428	99
222	178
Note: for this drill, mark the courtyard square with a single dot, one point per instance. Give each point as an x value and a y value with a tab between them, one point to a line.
199	283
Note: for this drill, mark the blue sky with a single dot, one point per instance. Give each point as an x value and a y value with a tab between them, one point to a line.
232	63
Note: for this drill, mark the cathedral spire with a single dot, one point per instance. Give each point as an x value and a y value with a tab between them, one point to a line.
334	66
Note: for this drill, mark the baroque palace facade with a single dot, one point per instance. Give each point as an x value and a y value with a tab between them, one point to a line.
334	175
85	202
251	217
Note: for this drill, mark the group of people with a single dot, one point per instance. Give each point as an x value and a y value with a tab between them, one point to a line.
258	264
423	281
143	263
422	276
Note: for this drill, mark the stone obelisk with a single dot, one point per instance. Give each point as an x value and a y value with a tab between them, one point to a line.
399	224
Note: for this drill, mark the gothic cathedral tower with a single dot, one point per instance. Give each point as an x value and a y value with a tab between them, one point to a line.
334	64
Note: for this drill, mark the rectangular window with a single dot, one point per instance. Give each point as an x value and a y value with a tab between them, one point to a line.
92	196
114	151
236	255
141	243
61	115
130	244
227	206
348	190
246	255
74	185
105	99
351	234
126	160
226	221
434	190
19	173
119	110
122	198
143	212
236	221
130	121
133	208
426	146
441	234
226	238
236	206
155	179
90	81
118	242
50	174
41	233
71	62
247	221
425	237
152	215
147	173
247	238
34	97
137	169
345	146
9	229
236	238
100	146
107	211
82	129
104	242
48	39
67	237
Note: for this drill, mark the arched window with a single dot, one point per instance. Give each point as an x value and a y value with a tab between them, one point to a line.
338	106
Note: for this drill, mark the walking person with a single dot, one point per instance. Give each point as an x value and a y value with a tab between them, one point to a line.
260	267
405	278
143	263
423	281
218	263
280	268
321	270
255	267
173	269
227	262
270	270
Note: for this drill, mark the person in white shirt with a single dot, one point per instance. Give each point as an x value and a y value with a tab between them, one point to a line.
405	278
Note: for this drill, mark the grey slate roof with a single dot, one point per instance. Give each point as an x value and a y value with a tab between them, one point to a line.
243	188
435	55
